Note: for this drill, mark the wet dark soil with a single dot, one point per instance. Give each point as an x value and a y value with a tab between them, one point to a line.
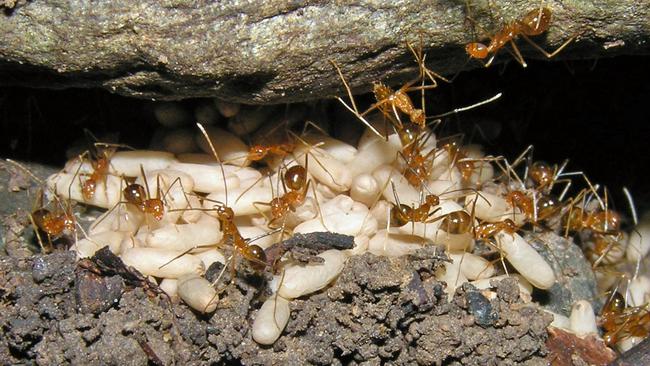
379	310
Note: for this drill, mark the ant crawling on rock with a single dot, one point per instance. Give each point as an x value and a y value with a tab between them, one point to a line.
533	23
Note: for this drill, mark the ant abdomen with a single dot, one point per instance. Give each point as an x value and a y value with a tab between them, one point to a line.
257	256
295	178
400	215
535	22
134	193
457	222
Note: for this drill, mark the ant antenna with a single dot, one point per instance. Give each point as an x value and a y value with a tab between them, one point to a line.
466	108
630	202
214	151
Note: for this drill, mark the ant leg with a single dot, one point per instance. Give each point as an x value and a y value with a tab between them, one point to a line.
517	55
256	204
36	231
354	108
546	53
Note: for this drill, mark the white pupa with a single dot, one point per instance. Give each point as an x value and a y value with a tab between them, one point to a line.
300	280
270	320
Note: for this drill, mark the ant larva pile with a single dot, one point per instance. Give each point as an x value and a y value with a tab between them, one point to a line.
397	188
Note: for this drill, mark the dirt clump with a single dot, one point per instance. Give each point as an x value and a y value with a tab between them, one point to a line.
380	310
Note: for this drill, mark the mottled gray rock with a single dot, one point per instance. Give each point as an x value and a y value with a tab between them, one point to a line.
275	51
575	278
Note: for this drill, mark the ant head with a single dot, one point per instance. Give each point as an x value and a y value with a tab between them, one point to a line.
432	199
40	217
256	152
477	50
381	91
134	193
510	225
417	117
541	174
606	221
155	207
295	177
88	188
225	213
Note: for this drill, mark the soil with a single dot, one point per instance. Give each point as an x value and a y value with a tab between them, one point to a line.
54	311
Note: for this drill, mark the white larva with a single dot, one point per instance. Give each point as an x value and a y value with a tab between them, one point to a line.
353	223
559	320
197	293
365	189
241	200
493	208
452	276
407	195
394	245
526	260
375	152
170	287
211	256
69	186
162	262
128	163
639	241
300	280
207	178
324	167
638	290
124	217
473	266
582	320
270	320
196	237
87	247
338	149
231	149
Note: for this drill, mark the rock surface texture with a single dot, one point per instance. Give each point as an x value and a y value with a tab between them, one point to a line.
277	51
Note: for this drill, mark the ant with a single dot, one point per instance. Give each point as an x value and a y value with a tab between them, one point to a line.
620	321
54	223
486	230
258	152
100	168
390	102
140	197
101	154
226	216
295	179
533	23
466	165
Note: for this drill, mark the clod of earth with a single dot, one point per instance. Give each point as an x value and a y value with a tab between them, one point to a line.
379	310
